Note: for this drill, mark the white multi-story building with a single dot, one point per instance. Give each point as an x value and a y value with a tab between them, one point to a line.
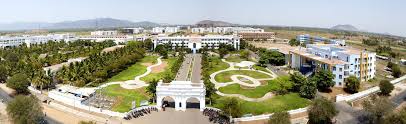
223	30
6	41
341	61
308	39
197	42
116	38
161	30
103	33
132	30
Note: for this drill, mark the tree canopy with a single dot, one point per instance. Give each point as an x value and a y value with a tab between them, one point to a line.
352	84
279	118
321	111
323	79
386	87
19	82
25	110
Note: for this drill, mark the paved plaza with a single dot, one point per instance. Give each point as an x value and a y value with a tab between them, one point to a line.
170	116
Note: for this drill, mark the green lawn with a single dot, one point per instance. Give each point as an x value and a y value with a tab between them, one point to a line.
276	104
216	64
134	70
245	80
124	97
257	67
257	92
160	75
225	76
236	59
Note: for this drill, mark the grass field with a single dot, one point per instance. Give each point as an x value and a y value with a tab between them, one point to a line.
225	76
124	97
236	59
134	70
216	64
160	75
276	104
245	80
257	92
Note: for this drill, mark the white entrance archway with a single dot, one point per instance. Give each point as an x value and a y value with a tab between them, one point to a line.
180	92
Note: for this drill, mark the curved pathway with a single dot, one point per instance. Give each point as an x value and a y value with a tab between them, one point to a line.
137	83
234	78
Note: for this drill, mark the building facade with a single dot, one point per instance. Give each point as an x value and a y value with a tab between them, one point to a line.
162	30
270	36
225	30
103	33
132	30
6	41
341	61
308	39
197	42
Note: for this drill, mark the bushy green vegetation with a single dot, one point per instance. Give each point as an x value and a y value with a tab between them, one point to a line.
101	66
277	85
275	104
134	70
124	97
168	71
270	57
25	110
234	58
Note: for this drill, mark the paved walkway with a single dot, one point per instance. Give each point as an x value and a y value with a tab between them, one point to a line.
184	70
234	78
197	68
170	116
137	83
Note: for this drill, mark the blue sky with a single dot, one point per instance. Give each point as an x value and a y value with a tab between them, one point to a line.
383	16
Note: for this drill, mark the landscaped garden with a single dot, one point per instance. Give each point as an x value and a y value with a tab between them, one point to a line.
225	76
256	92
134	70
215	64
234	58
166	71
124	97
277	103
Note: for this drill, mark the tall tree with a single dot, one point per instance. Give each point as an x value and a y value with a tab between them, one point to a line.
298	80
230	106
352	84
151	89
323	79
308	89
19	82
321	111
25	110
279	118
3	74
376	108
386	87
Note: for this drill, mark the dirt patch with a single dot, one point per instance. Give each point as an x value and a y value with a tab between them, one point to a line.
334	92
146	64
160	68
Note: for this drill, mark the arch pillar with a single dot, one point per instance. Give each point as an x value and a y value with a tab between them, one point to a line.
202	103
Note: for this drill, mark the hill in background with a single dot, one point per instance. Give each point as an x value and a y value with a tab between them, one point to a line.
79	24
345	28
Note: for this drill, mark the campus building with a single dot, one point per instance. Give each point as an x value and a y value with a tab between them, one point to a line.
6	41
341	61
162	30
100	38
132	30
103	33
197	42
224	30
270	36
308	39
